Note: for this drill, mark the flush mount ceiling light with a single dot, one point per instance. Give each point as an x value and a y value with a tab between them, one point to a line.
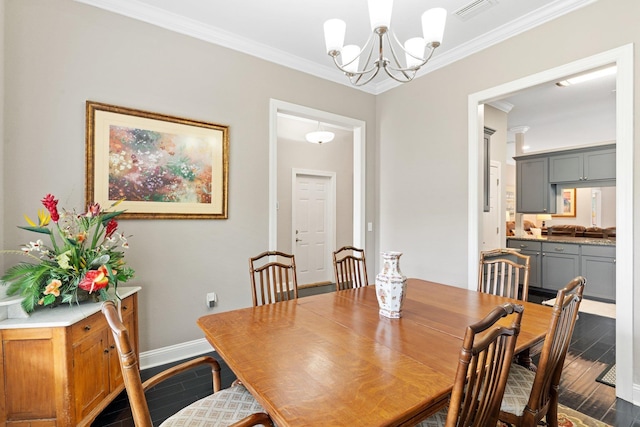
320	136
592	75
433	23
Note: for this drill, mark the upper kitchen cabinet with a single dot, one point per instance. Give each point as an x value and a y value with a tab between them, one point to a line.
595	165
534	194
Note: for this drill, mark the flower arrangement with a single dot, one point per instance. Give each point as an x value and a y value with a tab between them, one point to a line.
84	255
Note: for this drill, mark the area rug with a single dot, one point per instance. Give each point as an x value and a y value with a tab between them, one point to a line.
592	307
569	418
608	376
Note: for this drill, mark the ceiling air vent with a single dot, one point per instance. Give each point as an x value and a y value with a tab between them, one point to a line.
474	8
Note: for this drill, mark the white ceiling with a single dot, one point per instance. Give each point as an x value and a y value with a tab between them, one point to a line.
290	33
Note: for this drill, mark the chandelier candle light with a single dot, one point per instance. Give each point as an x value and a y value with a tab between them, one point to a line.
433	23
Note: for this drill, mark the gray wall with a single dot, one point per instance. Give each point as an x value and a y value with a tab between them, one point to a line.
60	53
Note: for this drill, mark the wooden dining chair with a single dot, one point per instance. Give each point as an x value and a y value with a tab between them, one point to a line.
349	268
483	368
504	272
531	396
233	406
273	277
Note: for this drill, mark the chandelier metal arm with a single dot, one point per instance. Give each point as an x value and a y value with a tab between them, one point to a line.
368	45
359	74
395	58
390	69
357	81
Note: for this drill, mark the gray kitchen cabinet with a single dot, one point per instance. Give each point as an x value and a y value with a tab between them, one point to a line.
554	264
583	165
560	264
599	268
534	194
533	249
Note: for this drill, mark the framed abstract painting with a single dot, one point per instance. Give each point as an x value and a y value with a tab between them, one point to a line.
159	166
567	206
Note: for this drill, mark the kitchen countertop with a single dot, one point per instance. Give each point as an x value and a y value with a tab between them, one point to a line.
568	239
63	315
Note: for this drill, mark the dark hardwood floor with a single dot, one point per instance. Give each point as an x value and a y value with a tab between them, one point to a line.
591	351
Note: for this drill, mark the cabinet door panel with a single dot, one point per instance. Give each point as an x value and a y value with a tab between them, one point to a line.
600	165
566	168
29	381
91	371
600	273
533	189
558	270
534	268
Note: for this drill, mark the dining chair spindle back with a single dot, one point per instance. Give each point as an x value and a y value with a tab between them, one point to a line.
233	406
504	272
350	268
273	277
531	396
483	368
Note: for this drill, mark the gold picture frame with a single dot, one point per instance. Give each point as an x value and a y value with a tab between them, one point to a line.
568	203
160	166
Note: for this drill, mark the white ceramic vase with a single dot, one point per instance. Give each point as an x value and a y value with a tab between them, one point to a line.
391	286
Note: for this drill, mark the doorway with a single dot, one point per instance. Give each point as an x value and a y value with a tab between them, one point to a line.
358	131
623	58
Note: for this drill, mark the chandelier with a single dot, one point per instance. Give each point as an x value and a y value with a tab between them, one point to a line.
433	23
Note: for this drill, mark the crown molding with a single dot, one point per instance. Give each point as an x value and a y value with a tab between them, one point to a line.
190	27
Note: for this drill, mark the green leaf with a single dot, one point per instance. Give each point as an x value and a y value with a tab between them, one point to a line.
43	230
101	260
106	216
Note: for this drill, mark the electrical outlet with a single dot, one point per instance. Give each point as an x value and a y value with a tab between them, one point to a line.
212	298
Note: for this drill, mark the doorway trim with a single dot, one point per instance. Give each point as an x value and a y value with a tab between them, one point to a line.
623	58
498	204
331	215
359	164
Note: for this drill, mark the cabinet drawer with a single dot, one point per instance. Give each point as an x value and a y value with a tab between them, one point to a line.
595	250
127	306
86	326
526	245
563	248
96	321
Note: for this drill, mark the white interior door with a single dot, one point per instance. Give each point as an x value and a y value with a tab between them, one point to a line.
491	219
313	220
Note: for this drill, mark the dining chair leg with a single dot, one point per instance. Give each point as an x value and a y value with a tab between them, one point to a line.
552	412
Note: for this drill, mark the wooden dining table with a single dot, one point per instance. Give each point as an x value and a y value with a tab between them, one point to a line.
332	360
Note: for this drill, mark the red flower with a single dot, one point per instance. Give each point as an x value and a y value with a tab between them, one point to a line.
94	210
51	204
112	225
94	280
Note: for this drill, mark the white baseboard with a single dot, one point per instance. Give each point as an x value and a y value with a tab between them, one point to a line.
162	356
636	394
